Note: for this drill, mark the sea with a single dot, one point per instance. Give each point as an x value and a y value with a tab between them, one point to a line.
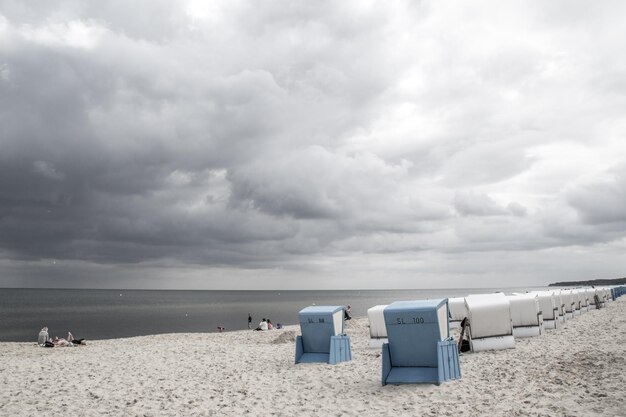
111	314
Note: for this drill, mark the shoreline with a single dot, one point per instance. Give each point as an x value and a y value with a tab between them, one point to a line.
100	315
577	369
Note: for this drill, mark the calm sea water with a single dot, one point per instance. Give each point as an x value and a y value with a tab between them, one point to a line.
107	314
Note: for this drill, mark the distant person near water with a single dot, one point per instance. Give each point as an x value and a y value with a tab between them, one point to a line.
249	321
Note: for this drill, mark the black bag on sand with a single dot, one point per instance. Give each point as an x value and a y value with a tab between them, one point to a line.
465	345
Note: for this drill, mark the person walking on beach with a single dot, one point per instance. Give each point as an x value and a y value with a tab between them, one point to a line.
249	321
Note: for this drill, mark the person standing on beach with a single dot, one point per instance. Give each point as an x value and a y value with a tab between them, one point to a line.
249	321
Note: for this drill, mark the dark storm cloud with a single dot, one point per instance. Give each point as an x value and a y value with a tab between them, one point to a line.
330	139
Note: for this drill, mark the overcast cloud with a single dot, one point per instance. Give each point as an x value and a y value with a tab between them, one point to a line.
339	144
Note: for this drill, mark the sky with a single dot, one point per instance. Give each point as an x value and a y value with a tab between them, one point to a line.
311	145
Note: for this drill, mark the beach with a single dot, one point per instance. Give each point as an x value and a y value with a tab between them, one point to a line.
578	369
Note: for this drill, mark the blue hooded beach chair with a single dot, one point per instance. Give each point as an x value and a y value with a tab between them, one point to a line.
322	337
420	349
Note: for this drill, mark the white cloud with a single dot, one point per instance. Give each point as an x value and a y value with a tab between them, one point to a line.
4	24
74	34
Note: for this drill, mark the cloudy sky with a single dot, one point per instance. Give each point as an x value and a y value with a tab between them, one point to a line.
286	144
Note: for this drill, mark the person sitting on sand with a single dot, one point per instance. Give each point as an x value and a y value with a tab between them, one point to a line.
262	325
43	337
270	326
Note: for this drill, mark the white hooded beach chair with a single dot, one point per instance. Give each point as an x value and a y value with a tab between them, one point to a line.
577	302
560	304
457	311
568	302
490	325
526	315
549	305
583	300
591	298
378	331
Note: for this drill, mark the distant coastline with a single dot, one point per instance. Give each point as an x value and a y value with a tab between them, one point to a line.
613	281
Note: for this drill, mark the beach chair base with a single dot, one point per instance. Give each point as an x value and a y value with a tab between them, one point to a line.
447	367
339	351
492	343
550	324
527	331
377	343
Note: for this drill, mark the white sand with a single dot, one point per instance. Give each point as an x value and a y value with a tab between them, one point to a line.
577	370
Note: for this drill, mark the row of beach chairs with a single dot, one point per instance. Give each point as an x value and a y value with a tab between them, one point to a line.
415	339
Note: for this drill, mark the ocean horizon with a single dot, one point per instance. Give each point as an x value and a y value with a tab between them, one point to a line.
96	314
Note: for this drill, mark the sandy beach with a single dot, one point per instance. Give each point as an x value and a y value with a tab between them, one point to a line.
576	370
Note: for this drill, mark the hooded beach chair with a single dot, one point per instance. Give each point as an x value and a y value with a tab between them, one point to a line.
420	349
592	297
378	331
568	301
605	296
584	300
322	337
526	315
578	302
559	298
458	311
490	324
549	303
